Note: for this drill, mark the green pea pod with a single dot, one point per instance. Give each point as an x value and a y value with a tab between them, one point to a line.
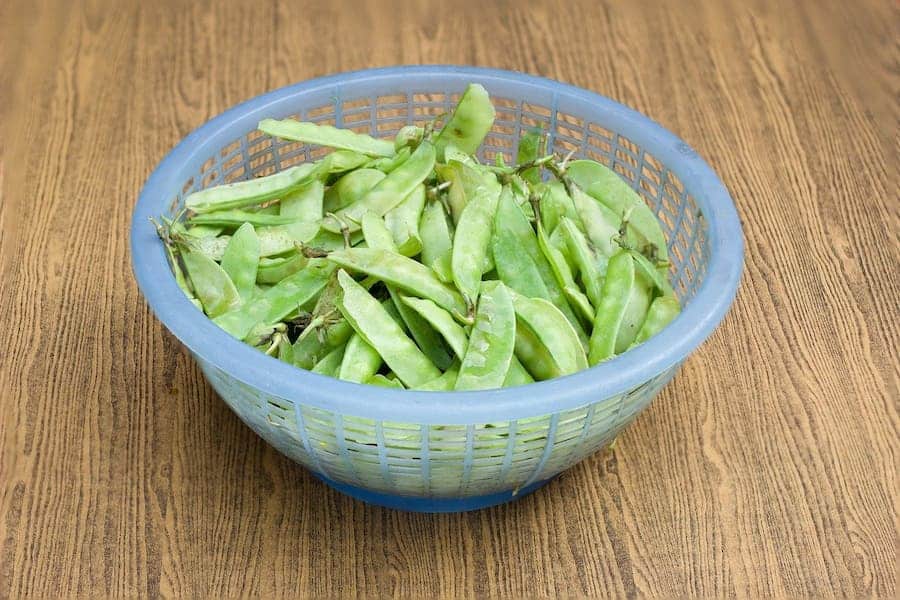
331	362
236	218
623	307
444	383
517	374
553	330
470	122
285	350
403	222
251	192
373	323
654	273
341	161
662	311
378	237
273	270
326	135
564	276
309	349
387	164
279	300
515	267
437	240
464	179
201	231
211	284
586	261
382	381
389	192
556	204
600	224
360	362
241	260
405	273
605	185
535	356
304	206
529	147
180	279
471	241
442	321
492	342
272	242
408	136
350	188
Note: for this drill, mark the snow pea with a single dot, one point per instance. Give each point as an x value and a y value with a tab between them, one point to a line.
241	260
553	330
534	355
490	349
515	266
437	240
403	222
331	362
389	192
586	261
350	188
232	218
273	270
360	361
444	383
304	206
382	381
556	204
563	274
388	164
662	311
517	374
369	319
328	336
605	185
405	273
441	320
251	192
326	135
472	238
408	136
470	122
279	300
623	308
211	284
529	149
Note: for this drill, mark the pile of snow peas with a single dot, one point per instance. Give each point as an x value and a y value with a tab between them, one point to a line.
410	264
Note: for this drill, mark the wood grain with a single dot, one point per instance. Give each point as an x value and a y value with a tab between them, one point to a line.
768	468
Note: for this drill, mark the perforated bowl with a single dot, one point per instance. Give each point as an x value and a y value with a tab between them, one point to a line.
447	451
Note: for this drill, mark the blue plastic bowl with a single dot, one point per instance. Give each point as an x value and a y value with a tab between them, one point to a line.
447	451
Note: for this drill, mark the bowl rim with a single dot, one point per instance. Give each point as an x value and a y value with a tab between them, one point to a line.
602	382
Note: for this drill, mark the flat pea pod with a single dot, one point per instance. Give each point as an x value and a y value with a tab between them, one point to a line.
378	236
360	362
528	150
331	362
564	276
492	341
180	279
304	206
472	238
464	178
442	321
201	231
535	356
382	332
236	218
241	260
511	217
603	184
584	258
444	383
211	284
517	374
387	164
276	302
556	204
326	135
553	330
662	311
389	192
437	240
405	273
408	136
285	350
350	188
470	122
251	192
600	223
623	307
515	266
654	273
403	222
309	349
272	242
273	270
382	381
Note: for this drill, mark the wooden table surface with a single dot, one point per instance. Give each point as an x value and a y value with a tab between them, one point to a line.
767	468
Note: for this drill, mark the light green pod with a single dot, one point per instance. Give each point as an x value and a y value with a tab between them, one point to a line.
241	260
492	341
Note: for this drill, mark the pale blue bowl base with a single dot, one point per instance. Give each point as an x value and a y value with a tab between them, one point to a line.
431	505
